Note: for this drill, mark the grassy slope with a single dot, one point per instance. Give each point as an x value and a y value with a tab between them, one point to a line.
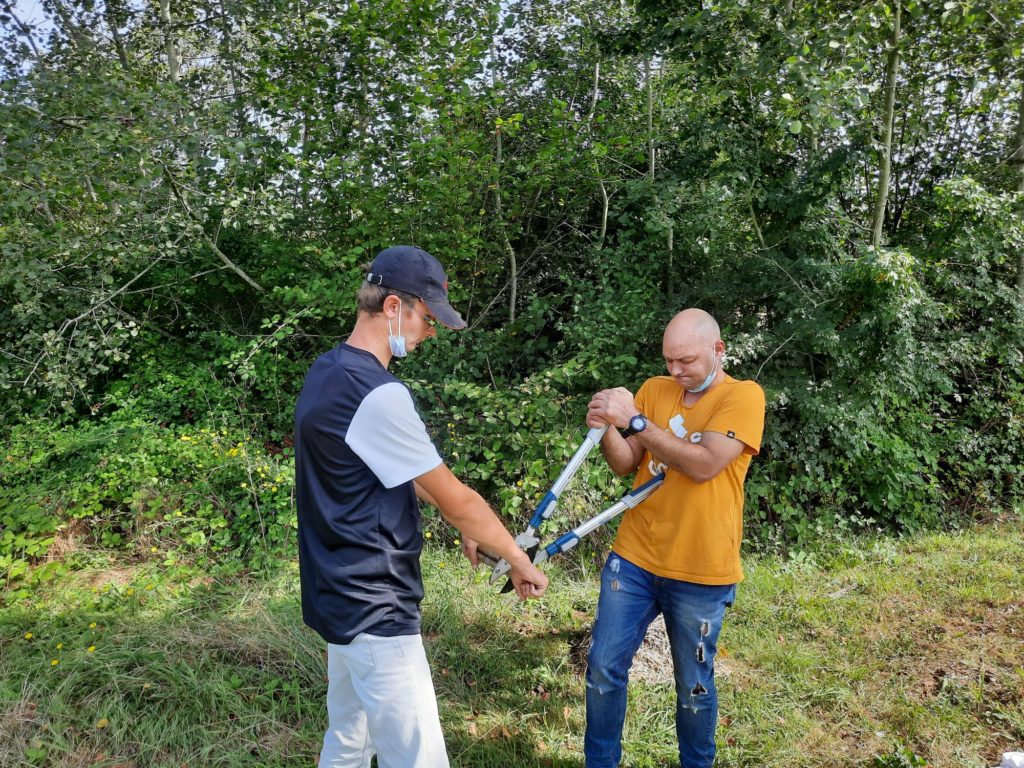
827	663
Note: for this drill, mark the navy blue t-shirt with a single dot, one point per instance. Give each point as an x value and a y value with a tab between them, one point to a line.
359	443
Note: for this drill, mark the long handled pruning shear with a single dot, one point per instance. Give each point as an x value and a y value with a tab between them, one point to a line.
529	540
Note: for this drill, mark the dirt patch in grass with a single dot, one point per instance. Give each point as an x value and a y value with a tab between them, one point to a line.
117	577
68	540
653	661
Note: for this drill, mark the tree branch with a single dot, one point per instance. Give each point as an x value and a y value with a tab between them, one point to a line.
773	354
23	27
176	191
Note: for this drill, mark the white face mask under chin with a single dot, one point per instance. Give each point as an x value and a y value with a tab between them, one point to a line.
711	376
397	343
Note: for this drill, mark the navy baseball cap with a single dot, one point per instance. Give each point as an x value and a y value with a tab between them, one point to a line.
412	270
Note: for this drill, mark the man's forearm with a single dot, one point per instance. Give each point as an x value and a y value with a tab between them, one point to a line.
618	453
690	459
466	509
477	521
422	495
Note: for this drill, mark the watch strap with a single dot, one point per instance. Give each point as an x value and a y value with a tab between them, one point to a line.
629	431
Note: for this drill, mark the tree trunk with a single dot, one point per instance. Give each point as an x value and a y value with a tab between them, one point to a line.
170	46
1018	158
513	266
604	214
180	197
597	166
237	101
513	263
650	120
885	160
671	283
114	13
757	227
593	97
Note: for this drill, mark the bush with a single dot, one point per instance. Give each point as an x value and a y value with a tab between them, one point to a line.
511	444
146	490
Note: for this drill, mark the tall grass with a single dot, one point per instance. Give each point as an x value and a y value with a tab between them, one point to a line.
839	659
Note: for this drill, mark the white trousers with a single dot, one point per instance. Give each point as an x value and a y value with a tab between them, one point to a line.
380	700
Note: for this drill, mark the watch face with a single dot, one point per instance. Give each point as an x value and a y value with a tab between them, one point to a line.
638	423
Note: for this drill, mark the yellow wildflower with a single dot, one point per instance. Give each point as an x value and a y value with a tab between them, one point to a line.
28	635
102	723
54	662
59	646
427	535
92	625
91	649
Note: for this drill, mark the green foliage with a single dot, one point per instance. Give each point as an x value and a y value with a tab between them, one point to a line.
901	758
512	443
178	243
613	330
148	491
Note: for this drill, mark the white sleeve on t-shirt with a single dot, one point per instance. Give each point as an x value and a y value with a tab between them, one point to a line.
388	434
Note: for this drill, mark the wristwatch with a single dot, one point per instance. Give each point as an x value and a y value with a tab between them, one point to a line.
637	424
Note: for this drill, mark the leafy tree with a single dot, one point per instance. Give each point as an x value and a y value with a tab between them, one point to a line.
188	192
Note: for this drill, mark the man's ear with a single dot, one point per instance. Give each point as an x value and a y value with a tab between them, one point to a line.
392	305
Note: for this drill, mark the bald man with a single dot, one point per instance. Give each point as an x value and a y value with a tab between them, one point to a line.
676	553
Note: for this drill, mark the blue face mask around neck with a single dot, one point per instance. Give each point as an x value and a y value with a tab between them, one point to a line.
709	379
397	343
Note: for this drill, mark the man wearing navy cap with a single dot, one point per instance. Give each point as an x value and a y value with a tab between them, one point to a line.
362	457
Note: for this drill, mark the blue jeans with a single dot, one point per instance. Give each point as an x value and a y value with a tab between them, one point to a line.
630	600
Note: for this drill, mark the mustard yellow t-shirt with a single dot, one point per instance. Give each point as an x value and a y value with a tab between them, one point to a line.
687	530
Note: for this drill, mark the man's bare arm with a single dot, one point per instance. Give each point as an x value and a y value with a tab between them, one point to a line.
622	454
466	509
698	461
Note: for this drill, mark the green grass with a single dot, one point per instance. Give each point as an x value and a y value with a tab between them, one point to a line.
833	660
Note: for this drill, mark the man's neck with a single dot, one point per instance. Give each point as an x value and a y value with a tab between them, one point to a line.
371	335
692	398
